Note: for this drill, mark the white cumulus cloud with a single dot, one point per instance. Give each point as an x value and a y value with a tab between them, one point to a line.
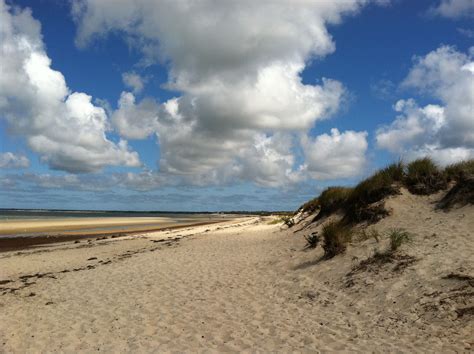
444	130
135	121
237	67
134	81
453	8
12	160
64	127
335	155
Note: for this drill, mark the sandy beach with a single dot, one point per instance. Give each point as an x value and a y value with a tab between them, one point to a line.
95	225
22	233
246	284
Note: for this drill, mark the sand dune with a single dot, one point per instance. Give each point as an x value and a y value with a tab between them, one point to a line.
244	285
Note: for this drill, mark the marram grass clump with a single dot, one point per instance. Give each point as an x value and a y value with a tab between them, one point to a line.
459	171
365	202
310	206
335	238
331	200
383	183
397	238
424	177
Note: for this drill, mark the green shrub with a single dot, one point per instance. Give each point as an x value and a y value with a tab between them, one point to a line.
335	236
371	190
424	177
332	199
397	238
460	170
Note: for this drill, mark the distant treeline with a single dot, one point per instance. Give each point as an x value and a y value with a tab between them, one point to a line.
121	213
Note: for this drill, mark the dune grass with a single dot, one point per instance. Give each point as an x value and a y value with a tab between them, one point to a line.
310	206
335	236
461	194
381	184
397	238
365	202
331	200
424	177
459	171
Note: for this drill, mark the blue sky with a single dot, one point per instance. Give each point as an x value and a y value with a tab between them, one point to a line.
231	106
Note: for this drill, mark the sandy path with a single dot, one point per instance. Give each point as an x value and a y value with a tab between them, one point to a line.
232	288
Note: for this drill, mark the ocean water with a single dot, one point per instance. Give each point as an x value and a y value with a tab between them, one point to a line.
15	222
15	214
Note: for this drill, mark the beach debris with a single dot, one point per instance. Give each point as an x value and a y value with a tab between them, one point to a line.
312	240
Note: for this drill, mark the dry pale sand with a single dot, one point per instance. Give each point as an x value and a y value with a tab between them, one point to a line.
245	285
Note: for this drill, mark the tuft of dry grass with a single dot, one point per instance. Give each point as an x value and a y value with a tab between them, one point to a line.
379	259
374	189
310	206
336	236
331	200
460	195
365	235
424	177
459	171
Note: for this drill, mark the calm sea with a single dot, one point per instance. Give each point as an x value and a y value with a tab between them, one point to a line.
13	214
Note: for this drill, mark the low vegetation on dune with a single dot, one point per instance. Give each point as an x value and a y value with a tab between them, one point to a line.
331	200
424	177
397	238
310	206
365	202
459	171
360	203
336	236
462	193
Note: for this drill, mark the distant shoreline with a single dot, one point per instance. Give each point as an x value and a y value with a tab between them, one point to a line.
4	212
15	243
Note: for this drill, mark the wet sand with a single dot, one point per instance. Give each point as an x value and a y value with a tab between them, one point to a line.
20	234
